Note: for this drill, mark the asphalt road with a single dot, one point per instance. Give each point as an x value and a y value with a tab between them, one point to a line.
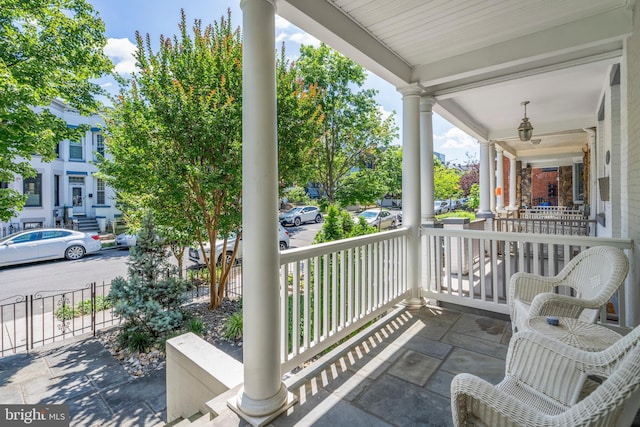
62	275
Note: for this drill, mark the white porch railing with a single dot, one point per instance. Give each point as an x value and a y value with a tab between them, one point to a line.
328	291
472	268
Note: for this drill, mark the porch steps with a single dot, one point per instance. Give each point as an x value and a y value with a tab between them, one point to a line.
196	420
87	224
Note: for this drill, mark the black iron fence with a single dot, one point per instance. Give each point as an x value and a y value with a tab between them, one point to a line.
30	321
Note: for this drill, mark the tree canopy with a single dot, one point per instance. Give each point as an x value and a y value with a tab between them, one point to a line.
175	137
49	49
446	180
353	131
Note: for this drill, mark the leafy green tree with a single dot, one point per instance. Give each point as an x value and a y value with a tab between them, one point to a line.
364	187
48	49
446	181
175	137
338	224
150	301
390	167
353	129
299	122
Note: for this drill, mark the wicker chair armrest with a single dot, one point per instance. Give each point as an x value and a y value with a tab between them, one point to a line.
525	286
471	395
549	303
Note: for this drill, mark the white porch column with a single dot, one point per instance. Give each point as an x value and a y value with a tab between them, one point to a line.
263	395
426	159
513	203
492	176
411	188
484	209
499	179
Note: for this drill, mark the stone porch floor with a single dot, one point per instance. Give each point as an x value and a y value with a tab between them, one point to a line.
397	375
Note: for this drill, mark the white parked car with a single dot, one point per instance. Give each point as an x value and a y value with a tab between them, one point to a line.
440	207
126	240
379	218
195	253
47	243
300	215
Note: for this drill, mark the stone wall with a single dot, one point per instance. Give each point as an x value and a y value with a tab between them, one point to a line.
565	184
524	184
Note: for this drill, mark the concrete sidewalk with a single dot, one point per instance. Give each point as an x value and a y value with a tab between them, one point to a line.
82	374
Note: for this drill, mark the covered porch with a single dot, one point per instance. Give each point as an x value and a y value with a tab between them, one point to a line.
473	63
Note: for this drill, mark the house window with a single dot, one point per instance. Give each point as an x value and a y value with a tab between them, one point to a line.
100	192
75	150
578	182
99	145
4	184
32	188
58	150
76	180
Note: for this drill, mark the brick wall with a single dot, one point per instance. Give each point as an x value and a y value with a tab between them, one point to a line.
540	182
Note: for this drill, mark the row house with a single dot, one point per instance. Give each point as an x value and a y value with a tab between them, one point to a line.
65	191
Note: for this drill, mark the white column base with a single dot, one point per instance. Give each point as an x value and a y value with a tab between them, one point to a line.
260	412
413	303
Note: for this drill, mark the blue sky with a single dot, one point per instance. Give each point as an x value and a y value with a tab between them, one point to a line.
123	18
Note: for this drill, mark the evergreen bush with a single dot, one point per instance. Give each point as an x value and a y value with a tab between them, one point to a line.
150	300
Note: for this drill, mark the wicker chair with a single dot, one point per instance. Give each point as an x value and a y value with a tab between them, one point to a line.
548	383
594	275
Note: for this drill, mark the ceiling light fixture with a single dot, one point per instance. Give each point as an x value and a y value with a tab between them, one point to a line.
526	129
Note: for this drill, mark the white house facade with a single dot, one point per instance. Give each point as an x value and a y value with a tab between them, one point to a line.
65	191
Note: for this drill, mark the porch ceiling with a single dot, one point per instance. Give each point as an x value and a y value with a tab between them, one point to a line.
481	59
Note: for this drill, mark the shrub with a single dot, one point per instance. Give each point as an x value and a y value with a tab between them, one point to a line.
196	326
233	326
135	340
150	301
66	312
297	195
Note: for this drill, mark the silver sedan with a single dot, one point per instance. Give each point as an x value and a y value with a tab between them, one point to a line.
47	243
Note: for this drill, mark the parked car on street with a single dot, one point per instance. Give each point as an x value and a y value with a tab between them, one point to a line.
47	243
195	253
300	214
379	218
440	207
126	240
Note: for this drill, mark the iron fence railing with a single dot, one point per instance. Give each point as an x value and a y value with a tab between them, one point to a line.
30	321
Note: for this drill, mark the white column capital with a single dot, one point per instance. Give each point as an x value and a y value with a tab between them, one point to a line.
499	149
413	89
486	143
243	3
426	103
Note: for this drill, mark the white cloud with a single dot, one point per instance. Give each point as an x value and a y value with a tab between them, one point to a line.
454	138
106	85
282	23
384	113
304	38
121	53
